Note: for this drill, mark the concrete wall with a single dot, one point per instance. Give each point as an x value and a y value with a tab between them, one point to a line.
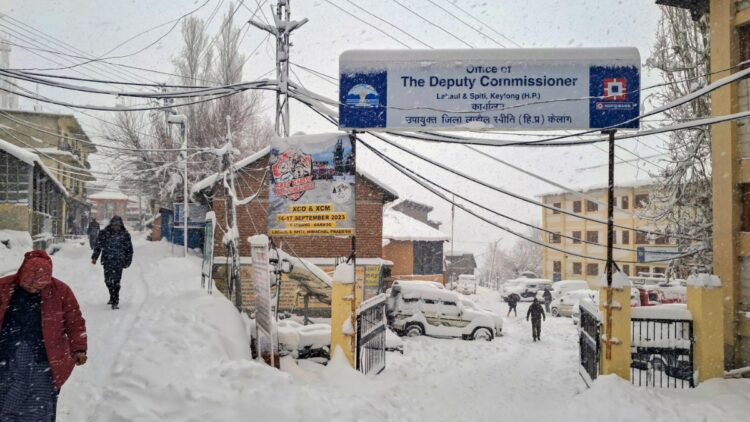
14	217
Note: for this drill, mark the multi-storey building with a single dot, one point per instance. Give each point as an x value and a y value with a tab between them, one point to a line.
64	148
580	229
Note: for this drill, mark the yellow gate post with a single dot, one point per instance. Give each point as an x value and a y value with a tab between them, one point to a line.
614	304
342	311
705	301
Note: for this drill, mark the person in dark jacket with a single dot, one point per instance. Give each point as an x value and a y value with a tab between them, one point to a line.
42	338
93	232
512	303
547	299
116	249
537	314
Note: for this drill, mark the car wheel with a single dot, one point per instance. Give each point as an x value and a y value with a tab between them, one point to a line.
414	330
482	334
555	312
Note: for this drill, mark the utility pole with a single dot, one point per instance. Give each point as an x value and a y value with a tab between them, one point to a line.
234	249
281	31
453	257
181	120
610	238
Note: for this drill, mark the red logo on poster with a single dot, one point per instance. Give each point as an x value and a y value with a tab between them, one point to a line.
615	89
292	174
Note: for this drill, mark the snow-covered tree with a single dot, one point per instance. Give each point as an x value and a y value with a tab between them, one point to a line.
502	265
202	61
680	204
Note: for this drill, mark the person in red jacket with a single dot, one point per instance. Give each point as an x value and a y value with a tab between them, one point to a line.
42	338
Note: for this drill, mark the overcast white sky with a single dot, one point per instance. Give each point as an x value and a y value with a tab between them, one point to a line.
96	26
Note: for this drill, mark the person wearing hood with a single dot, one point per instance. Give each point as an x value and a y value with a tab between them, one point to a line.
116	250
42	338
93	232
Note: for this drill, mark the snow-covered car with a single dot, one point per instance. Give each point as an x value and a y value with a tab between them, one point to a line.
467	284
593	302
416	310
470	304
563	286
525	288
563	305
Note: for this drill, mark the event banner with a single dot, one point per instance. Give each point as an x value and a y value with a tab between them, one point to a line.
504	89
312	186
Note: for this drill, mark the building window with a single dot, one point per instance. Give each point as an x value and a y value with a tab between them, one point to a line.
626	237
662	240
592	206
744	41
576	206
614	237
625	202
641	270
592	269
554	237
14	179
592	236
660	270
556	205
576	235
641	200
626	269
641	238
556	267
577	267
428	257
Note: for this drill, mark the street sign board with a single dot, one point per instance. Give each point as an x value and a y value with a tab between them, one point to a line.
312	186
196	217
656	253
484	89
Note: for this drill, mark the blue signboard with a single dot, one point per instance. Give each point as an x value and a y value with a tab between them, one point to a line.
522	89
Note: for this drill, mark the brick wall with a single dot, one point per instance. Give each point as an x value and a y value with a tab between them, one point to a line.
401	253
252	220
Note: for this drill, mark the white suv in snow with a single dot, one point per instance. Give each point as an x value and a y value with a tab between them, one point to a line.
422	309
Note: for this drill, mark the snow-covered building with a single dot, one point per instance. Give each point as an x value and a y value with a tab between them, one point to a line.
31	197
458	263
63	146
107	203
413	242
325	252
588	238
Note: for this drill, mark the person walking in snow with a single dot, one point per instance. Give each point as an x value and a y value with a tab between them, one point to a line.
93	232
537	314
512	303
42	338
547	299
116	249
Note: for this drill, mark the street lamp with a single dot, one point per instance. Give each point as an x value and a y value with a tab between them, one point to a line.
180	119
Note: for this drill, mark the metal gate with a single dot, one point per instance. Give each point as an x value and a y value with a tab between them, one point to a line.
371	326
588	343
662	353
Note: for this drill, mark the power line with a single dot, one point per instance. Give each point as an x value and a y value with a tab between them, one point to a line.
433	24
367	23
472	27
455	4
388	23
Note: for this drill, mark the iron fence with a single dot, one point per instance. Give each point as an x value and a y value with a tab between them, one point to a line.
662	353
588	343
371	326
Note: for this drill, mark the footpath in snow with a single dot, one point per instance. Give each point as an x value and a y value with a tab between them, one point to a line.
174	353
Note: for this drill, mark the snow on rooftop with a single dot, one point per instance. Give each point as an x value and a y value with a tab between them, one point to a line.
109	195
210	180
377	182
30	158
399	226
629	173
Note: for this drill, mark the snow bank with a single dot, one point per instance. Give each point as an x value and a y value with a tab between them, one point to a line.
704	280
13	245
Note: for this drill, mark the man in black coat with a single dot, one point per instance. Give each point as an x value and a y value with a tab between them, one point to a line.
512	300
537	314
93	232
116	250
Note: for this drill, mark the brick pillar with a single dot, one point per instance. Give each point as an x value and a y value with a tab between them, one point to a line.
705	300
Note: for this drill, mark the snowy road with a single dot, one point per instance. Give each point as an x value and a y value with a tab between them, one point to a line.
174	353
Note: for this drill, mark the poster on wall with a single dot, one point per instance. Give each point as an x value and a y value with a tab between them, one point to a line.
312	186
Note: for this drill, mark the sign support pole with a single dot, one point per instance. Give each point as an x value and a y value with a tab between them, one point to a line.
610	236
